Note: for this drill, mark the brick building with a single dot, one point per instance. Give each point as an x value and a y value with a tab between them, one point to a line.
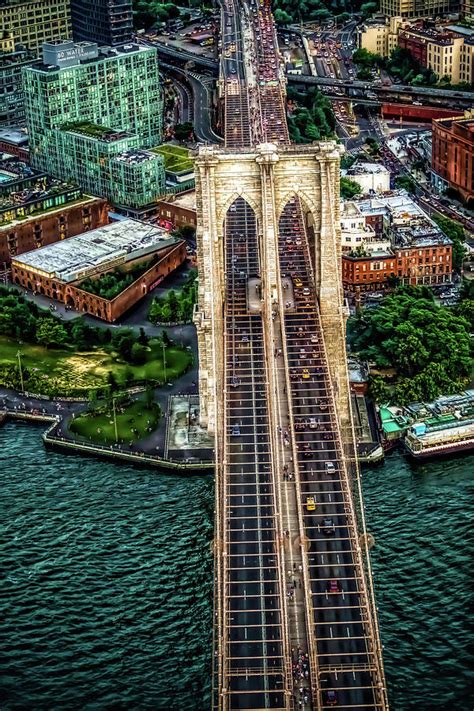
178	210
68	220
411	248
415	42
64	271
36	210
453	155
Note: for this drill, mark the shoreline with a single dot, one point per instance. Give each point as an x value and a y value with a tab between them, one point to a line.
54	441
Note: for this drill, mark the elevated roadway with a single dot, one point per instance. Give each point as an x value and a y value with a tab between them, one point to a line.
352	89
294	608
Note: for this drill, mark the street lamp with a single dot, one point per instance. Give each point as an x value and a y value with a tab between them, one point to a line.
21	372
115	420
164	361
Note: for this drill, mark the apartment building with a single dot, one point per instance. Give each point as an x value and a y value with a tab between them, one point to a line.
417	8
91	113
108	22
32	22
453	155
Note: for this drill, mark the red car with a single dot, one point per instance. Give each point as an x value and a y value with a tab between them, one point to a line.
333	586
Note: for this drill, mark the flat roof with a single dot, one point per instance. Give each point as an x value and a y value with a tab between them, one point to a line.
359	168
96	251
186	200
13	136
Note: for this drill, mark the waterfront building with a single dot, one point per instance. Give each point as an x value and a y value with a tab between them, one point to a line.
64	271
453	155
91	112
108	22
442	427
32	22
409	248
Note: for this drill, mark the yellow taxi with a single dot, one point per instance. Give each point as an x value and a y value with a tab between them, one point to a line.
297	282
310	503
305	374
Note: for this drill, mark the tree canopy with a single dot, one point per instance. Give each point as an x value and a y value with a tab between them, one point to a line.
456	233
429	346
312	117
349	188
320	10
176	306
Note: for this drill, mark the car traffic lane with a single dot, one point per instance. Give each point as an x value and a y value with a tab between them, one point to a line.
254	620
341	638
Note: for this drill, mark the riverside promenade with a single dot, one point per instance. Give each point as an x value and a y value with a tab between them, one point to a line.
149	451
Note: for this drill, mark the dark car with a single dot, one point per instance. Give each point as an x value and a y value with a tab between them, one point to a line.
328	527
330	698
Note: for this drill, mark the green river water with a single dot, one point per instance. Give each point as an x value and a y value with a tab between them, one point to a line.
106	585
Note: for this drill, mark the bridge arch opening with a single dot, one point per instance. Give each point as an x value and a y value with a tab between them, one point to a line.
236	199
300	209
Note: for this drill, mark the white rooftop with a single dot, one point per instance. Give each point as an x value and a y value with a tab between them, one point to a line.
362	168
93	252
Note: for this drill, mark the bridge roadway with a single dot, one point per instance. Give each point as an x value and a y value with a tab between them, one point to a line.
294	626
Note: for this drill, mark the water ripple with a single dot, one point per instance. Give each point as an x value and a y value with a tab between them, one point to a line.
106	587
106	596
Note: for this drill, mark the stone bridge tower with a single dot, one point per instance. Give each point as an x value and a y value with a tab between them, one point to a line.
267	177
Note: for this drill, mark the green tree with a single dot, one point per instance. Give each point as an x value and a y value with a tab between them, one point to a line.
349	188
429	346
282	17
149	396
184	131
122	341
456	233
138	353
378	390
405	183
51	333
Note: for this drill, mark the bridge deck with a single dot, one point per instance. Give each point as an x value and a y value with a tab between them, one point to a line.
293	614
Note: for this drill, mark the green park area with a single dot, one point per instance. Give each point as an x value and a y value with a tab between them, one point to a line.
40	353
127	423
67	372
176	158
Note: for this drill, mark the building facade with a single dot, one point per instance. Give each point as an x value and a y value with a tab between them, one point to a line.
108	163
23	233
12	108
32	22
453	155
405	246
417	8
108	22
467	9
380	36
69	271
88	109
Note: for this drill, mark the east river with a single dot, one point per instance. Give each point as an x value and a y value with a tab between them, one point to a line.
106	585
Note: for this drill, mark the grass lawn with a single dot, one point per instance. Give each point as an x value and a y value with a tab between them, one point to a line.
177	158
133	424
61	372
